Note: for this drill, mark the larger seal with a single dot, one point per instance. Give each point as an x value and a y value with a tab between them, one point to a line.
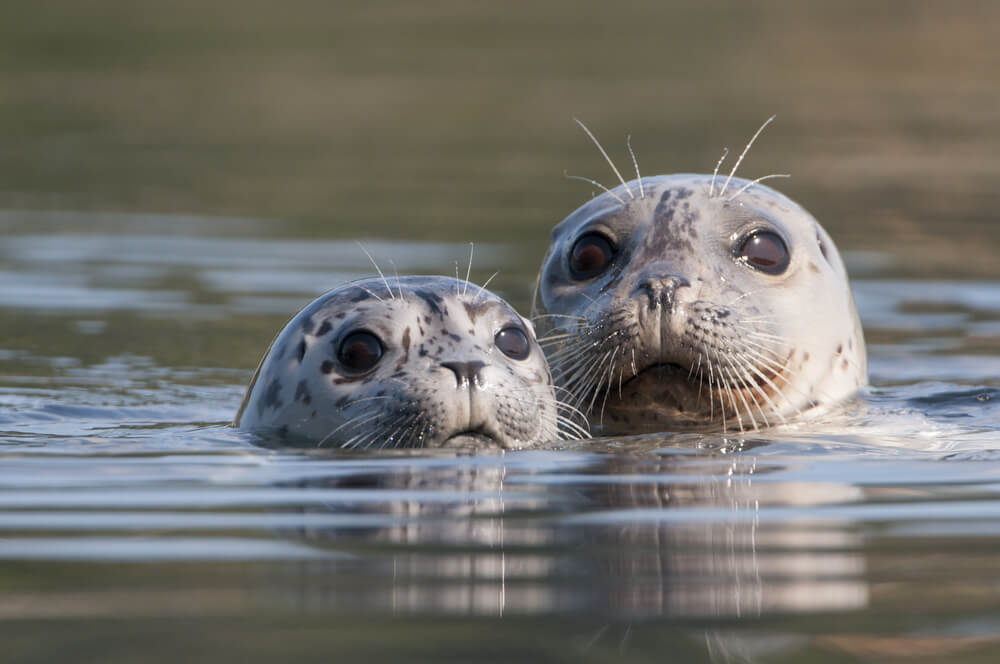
688	300
406	362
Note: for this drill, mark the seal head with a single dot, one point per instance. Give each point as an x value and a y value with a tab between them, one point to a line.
682	307
406	362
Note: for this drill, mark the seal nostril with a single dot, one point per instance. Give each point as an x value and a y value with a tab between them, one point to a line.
465	372
661	290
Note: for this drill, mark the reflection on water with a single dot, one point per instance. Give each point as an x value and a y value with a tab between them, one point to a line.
126	354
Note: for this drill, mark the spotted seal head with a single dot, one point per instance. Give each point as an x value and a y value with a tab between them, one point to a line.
685	300
406	362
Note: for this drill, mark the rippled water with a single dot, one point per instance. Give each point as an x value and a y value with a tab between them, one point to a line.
177	179
124	495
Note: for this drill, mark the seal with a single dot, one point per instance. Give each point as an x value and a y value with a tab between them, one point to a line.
402	363
690	301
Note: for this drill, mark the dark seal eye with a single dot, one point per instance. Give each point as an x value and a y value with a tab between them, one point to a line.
590	256
513	342
764	251
360	351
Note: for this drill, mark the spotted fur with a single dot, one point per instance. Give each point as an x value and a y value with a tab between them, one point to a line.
441	378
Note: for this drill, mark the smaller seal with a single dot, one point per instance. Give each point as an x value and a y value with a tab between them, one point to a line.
408	362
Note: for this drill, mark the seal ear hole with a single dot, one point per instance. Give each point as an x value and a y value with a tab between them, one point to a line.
590	255
513	342
764	251
359	351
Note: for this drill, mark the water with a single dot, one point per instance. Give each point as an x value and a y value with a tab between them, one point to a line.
179	179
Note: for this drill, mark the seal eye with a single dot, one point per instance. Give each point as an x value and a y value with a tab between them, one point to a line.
360	351
764	251
513	342
590	256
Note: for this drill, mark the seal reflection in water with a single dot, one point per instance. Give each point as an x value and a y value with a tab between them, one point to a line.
406	362
697	301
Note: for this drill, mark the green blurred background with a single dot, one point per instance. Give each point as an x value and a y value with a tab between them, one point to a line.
453	119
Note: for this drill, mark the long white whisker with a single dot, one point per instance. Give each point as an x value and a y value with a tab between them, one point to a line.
377	269
482	289
596	184
468	270
606	157
760	179
744	153
635	162
715	173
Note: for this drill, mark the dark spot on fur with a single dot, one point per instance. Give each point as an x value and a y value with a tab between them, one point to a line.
361	296
475	309
675	226
845	364
454	337
341	315
307	324
406	350
840	349
326	367
272	396
341	402
324	328
302	350
422	352
302	392
813	267
432	299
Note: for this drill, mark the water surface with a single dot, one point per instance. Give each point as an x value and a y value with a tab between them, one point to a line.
179	178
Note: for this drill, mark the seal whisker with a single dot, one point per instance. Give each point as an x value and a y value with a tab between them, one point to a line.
606	157
763	377
732	381
741	378
543	316
468	270
372	293
596	184
395	271
635	162
566	428
360	419
377	269
607	375
715	173
757	181
482	289
743	154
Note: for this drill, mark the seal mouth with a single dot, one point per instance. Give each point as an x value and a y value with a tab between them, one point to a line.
672	371
471	437
666	370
